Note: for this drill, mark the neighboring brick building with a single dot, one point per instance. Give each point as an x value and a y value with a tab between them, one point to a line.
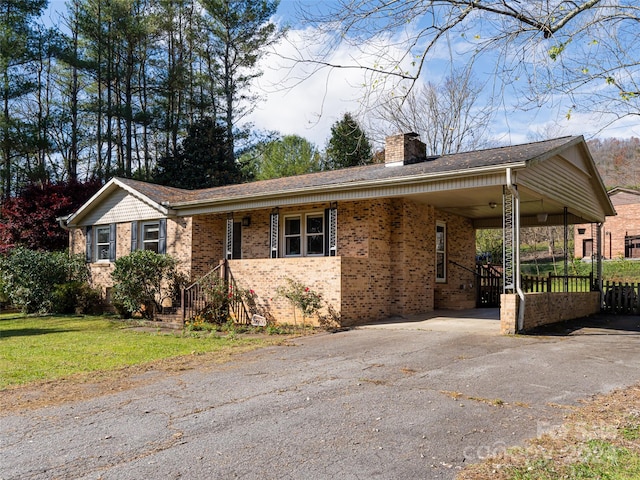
376	241
620	235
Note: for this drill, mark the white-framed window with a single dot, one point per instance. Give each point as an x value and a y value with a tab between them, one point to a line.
293	236
314	244
441	252
150	234
103	242
304	235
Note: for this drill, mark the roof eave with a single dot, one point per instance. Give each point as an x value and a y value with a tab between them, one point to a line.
353	186
108	188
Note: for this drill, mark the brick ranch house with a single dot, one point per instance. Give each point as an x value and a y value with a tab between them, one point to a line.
620	235
391	239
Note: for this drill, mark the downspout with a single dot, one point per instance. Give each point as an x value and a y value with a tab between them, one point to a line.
516	240
62	221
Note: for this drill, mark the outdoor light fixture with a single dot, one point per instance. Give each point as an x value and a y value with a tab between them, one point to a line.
246	221
542	217
493	204
582	230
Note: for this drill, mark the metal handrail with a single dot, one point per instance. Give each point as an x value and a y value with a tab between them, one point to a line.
195	299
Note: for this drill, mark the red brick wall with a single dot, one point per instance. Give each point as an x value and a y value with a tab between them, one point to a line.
385	264
208	236
265	276
459	291
178	235
626	222
386	257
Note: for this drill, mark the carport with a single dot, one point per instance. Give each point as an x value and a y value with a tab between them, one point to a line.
554	182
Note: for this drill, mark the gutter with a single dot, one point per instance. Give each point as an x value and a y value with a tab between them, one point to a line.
514	191
62	221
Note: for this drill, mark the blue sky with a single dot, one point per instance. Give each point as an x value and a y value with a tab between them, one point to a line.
294	104
312	106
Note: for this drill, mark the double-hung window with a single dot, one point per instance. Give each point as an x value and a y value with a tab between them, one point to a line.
315	235
150	236
292	236
102	242
304	235
441	252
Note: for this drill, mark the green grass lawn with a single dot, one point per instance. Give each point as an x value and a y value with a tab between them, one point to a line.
618	270
55	347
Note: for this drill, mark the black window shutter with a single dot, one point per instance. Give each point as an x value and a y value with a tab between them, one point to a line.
134	236
89	240
112	242
162	236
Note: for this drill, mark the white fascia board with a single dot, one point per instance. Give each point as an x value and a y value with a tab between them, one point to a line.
105	191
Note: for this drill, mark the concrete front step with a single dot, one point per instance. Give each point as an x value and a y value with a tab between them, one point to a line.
165	321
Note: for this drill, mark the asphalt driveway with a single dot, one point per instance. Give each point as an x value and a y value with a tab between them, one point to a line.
376	402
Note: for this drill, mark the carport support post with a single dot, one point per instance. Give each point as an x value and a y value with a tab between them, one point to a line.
599	260
512	320
566	249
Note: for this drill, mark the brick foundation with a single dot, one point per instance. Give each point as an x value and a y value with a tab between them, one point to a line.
265	276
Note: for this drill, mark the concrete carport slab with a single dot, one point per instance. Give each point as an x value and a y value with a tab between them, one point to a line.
476	320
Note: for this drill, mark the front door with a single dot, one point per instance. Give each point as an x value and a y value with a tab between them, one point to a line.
587	248
236	251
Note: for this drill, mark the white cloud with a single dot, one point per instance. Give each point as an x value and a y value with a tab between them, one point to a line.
307	104
306	99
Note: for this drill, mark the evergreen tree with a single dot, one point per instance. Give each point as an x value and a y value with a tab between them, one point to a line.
348	145
240	31
201	161
17	41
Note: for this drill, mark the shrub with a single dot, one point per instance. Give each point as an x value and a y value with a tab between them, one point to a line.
76	297
29	277
301	297
143	280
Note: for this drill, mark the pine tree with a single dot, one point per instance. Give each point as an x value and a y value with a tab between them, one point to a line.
201	161
240	31
17	38
348	145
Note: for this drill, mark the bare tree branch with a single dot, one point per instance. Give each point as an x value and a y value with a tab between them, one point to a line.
547	50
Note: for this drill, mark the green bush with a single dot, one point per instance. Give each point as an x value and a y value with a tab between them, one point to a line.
29	278
77	297
142	281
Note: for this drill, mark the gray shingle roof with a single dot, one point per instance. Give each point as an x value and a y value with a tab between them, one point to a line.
510	155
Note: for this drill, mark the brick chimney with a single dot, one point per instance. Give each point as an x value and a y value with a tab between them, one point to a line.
404	149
